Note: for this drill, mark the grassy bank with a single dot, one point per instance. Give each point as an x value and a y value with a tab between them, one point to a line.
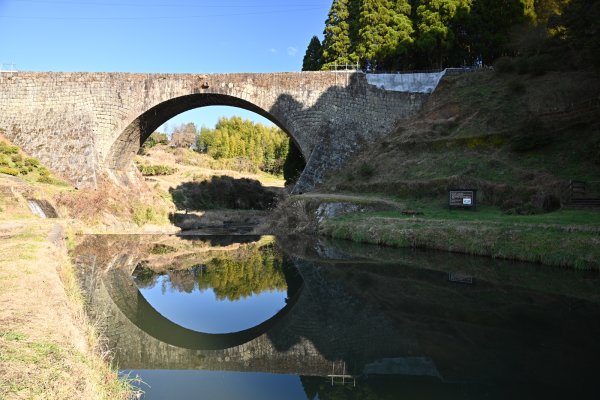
566	238
48	347
500	134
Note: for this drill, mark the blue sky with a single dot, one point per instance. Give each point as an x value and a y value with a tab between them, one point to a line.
175	36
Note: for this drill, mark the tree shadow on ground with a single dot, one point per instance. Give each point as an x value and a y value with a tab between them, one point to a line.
224	192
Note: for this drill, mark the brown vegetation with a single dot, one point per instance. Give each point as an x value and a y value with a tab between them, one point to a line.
48	348
106	205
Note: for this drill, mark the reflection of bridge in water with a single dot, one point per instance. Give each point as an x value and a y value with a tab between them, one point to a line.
409	318
319	326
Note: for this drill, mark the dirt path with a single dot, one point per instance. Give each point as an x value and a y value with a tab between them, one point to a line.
353	198
45	340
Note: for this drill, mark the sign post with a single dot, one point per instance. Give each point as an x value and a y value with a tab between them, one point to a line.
462	198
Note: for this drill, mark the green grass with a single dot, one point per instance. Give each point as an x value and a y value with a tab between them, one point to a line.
564	161
155	170
448	162
567	237
546	244
143	214
436	211
13	336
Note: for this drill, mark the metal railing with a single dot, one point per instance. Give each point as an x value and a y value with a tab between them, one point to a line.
344	67
356	68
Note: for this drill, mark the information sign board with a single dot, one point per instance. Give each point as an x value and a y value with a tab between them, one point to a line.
462	198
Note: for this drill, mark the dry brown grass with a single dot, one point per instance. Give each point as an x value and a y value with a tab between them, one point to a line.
109	204
47	346
193	166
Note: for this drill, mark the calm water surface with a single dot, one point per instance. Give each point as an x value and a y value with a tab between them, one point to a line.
203	310
248	317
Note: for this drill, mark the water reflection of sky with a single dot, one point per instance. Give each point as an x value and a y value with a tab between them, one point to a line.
175	384
201	311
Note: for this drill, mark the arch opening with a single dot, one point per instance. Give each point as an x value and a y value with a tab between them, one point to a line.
127	144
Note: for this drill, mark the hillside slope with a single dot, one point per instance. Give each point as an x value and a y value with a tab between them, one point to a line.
516	138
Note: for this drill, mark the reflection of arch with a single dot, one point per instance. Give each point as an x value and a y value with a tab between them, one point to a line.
141	313
135	134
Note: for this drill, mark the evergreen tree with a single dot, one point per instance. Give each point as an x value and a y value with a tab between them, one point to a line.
353	21
489	25
384	33
313	58
436	37
336	44
579	30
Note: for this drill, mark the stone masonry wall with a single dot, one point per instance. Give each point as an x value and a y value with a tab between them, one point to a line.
83	125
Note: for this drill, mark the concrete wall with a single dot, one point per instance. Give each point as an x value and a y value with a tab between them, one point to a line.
419	82
88	125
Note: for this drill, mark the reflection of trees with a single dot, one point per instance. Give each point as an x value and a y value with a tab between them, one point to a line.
232	276
183	280
144	277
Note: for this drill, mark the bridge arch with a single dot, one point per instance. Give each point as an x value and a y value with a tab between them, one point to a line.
85	126
127	144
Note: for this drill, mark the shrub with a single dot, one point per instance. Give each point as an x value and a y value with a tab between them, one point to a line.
17	158
32	162
366	170
9	171
45	179
142	214
155	170
154	139
50	180
7	149
4	160
240	164
519	208
162	249
504	65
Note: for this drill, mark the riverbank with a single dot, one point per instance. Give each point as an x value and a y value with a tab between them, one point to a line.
48	347
566	238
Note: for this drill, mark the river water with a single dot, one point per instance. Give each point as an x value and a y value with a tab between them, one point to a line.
251	317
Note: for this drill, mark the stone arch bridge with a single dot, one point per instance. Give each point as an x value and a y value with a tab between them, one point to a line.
86	126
